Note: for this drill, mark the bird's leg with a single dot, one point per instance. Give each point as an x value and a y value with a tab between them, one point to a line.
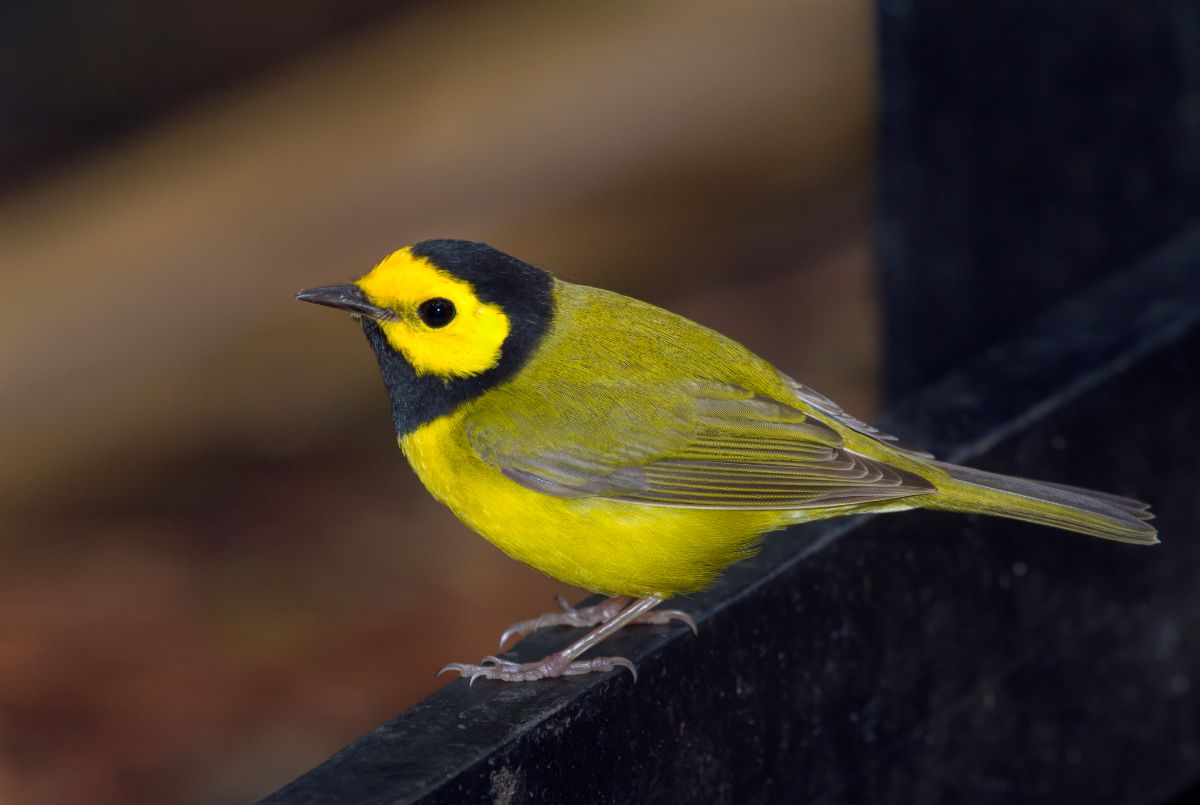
562	663
591	616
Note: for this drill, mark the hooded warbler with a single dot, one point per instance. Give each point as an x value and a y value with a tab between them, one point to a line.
626	450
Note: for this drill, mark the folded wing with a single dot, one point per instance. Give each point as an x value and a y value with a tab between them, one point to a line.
707	445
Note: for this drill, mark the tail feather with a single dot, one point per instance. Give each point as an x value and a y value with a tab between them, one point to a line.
1095	513
1135	507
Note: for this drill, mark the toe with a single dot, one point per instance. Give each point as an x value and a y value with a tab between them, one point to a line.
600	665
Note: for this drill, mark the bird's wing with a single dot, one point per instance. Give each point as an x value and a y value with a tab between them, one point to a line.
703	444
834	411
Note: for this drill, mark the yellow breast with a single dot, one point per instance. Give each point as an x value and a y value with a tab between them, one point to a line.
606	546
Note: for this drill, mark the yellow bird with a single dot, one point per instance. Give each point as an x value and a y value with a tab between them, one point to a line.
620	448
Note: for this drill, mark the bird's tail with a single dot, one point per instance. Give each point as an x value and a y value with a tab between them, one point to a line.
1082	510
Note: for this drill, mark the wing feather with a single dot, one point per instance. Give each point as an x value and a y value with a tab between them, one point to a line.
828	407
723	447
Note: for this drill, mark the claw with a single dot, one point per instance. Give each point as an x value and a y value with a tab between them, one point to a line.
517	629
666	616
624	663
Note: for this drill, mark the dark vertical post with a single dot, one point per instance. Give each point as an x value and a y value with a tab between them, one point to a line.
1027	148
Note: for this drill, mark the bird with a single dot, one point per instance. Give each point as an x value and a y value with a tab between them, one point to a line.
629	451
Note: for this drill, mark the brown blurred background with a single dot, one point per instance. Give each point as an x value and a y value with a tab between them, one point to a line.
215	565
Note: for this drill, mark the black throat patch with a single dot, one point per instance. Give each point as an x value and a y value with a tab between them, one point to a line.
522	291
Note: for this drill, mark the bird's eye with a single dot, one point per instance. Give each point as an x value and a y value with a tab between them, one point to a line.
436	312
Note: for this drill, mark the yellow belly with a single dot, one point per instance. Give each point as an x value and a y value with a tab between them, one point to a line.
606	546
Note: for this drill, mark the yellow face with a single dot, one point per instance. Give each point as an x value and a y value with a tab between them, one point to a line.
440	326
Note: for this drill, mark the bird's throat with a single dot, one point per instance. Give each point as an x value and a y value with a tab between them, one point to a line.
418	399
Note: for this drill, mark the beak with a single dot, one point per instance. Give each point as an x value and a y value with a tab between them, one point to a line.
344	297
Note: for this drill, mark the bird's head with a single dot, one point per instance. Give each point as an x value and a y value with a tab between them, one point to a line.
447	319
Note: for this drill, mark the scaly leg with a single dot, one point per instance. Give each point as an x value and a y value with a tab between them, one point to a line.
562	663
591	616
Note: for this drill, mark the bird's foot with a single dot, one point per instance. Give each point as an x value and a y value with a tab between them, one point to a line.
554	665
592	616
564	663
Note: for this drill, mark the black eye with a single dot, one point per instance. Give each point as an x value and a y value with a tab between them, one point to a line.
436	312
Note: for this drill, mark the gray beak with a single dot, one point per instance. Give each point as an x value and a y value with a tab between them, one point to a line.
344	297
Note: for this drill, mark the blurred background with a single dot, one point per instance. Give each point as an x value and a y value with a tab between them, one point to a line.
215	565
